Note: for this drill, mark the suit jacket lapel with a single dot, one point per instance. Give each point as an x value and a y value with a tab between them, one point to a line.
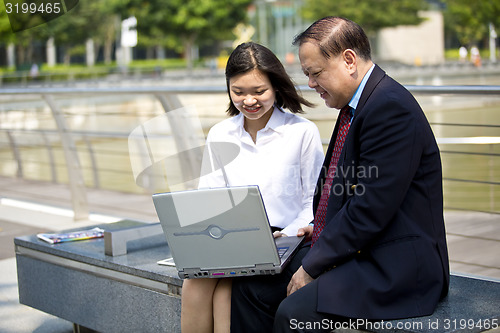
326	164
373	81
376	76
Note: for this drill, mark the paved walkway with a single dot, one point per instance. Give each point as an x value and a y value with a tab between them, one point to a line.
473	239
17	219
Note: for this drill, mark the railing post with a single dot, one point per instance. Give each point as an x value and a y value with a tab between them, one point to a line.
17	156
185	136
53	168
95	171
491	175
75	176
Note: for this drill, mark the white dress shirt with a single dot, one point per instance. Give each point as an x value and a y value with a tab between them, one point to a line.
284	162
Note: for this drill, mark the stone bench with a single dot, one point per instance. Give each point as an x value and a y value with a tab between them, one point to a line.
84	283
78	282
472	305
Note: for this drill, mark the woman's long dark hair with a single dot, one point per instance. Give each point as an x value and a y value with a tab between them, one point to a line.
249	56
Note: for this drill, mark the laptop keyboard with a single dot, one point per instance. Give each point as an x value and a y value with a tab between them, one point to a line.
282	251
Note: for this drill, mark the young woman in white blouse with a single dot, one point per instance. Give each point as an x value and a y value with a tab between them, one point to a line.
278	151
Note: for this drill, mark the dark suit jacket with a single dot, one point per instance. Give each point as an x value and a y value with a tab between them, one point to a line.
383	253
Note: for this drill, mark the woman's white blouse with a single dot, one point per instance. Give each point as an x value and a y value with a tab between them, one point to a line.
284	162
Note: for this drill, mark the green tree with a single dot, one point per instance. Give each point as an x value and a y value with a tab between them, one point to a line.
152	26
23	40
102	21
469	20
372	15
90	19
6	34
181	24
176	24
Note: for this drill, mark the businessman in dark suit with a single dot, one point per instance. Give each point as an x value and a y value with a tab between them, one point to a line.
378	241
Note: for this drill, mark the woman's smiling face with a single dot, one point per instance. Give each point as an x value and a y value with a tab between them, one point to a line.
252	94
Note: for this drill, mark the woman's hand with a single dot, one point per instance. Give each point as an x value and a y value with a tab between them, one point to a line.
278	234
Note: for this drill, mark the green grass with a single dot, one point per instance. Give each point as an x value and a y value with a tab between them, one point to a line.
136	64
61	72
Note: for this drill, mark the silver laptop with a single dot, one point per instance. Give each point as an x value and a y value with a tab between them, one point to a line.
221	232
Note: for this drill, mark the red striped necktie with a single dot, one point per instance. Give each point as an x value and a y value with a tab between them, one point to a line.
319	218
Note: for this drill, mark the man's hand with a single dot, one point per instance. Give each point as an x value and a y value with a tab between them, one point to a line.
306	231
299	279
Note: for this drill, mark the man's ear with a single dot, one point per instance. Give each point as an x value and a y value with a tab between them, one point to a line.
351	60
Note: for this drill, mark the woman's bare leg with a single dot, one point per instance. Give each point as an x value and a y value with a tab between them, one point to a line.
222	306
197	305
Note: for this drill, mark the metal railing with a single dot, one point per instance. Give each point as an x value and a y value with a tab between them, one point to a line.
416	89
61	140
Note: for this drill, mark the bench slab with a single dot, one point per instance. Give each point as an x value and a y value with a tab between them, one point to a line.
78	282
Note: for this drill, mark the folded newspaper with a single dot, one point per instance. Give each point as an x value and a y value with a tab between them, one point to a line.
72	236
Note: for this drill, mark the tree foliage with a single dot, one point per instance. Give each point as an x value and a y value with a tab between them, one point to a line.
469	20
177	24
181	24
